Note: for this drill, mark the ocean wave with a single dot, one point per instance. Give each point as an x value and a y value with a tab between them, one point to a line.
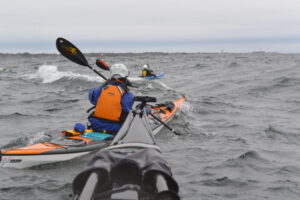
208	106
296	110
61	101
200	66
50	74
240	140
20	181
285	189
249	159
250	155
28	140
39	137
133	79
19	142
285	81
276	133
287	170
53	109
24	184
225	181
14	192
233	64
275	85
18	115
53	185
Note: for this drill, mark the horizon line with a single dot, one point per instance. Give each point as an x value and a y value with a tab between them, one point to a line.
236	45
154	52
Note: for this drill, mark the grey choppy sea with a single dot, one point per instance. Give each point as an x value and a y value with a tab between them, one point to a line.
240	124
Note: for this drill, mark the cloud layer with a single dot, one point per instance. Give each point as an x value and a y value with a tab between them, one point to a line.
147	25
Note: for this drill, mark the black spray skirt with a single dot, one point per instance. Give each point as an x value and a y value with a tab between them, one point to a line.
118	167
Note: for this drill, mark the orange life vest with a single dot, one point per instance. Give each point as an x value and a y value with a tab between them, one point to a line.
109	106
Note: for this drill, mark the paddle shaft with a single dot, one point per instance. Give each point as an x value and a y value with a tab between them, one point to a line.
96	72
163	123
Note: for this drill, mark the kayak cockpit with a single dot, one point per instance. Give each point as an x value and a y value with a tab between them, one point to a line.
131	167
112	174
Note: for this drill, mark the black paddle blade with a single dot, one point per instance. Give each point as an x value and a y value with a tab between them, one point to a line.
68	50
102	64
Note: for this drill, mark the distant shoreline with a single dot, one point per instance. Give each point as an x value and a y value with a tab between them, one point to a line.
150	53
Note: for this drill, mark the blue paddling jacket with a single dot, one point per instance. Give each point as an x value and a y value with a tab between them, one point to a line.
97	97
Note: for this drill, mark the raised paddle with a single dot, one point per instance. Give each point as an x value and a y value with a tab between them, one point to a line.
102	64
70	51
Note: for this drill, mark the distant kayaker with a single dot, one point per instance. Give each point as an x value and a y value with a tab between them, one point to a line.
113	101
147	71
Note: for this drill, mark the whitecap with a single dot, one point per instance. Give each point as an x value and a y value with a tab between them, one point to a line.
39	137
50	74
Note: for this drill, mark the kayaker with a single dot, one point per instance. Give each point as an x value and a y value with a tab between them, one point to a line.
147	71
113	101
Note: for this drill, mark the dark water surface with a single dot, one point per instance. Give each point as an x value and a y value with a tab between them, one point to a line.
241	122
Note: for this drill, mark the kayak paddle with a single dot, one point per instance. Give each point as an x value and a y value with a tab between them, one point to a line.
102	64
70	51
163	123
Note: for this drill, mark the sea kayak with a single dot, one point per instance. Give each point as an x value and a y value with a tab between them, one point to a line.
131	167
159	75
75	145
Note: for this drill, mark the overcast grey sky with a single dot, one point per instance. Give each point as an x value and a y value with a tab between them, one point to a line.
151	25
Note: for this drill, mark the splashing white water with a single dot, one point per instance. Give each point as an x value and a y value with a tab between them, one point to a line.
165	86
135	79
186	107
50	73
149	86
39	137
